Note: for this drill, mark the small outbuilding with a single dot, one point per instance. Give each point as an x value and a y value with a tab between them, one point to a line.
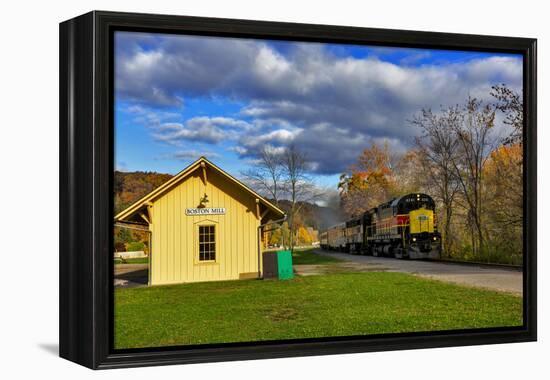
204	225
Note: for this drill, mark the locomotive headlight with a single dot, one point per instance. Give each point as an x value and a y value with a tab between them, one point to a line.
435	238
414	239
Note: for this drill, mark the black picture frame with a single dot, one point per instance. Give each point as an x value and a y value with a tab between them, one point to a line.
86	183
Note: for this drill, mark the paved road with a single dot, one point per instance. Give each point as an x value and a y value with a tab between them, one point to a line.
131	275
501	279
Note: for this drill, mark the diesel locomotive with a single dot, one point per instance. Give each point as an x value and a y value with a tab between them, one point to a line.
403	227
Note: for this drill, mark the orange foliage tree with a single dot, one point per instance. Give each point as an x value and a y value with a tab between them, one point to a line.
503	200
369	182
304	236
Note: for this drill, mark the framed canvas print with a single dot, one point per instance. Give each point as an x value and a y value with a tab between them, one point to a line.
235	189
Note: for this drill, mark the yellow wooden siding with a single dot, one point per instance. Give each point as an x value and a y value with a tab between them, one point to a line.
174	257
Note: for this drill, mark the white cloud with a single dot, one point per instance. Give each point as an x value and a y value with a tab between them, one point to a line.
239	150
201	129
270	65
332	106
151	117
175	133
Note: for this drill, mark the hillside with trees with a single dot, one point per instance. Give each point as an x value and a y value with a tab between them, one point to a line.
130	186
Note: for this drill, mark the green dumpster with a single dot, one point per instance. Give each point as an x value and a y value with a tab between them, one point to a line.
284	261
278	265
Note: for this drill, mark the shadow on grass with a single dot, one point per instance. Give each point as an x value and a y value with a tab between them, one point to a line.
139	276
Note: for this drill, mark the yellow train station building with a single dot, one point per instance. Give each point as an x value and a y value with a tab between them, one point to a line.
204	225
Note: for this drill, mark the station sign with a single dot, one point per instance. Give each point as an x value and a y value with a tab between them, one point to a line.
205	211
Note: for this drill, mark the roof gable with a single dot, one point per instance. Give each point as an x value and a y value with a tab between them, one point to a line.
182	176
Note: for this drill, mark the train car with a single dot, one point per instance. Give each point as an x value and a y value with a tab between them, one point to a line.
369	230
336	237
404	228
354	236
323	240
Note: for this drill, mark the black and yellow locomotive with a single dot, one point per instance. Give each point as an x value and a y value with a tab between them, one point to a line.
404	227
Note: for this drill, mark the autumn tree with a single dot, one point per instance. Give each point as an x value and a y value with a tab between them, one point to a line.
369	182
438	151
275	237
503	174
409	173
303	236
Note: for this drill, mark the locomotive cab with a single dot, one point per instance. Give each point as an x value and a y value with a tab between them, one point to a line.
421	239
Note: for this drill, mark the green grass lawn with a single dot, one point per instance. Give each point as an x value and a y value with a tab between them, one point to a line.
315	306
308	256
136	260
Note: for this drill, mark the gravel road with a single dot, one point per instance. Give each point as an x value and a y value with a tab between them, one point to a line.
501	279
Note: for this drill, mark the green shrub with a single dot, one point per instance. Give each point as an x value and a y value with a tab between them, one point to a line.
135	246
500	255
492	253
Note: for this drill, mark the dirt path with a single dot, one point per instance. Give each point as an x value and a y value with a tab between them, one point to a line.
501	279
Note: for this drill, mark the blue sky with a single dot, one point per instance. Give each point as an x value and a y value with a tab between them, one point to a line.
179	97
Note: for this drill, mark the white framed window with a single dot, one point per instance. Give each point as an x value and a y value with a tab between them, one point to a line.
207	243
